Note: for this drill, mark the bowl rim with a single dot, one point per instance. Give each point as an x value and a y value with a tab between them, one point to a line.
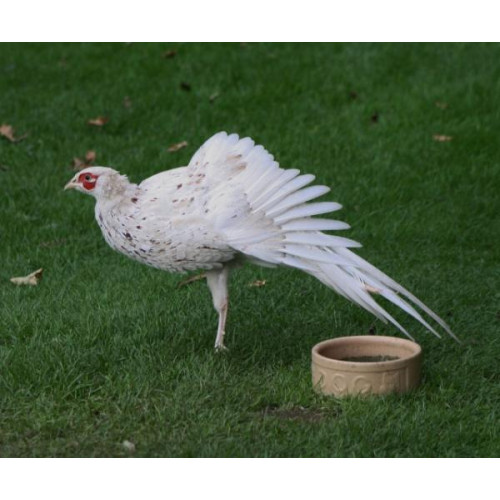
370	366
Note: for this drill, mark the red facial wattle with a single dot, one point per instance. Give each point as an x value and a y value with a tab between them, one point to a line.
87	180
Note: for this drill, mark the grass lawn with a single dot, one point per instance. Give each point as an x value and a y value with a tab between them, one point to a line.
106	350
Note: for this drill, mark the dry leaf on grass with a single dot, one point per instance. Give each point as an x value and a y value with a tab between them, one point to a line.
88	161
258	283
175	147
442	138
32	279
78	163
90	156
99	121
441	105
169	54
8	132
213	96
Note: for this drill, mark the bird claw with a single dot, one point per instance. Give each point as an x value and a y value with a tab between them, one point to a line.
221	348
192	279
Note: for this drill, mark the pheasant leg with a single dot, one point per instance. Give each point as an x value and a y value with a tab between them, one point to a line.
221	330
218	284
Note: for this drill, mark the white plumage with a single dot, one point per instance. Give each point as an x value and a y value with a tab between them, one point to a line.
233	201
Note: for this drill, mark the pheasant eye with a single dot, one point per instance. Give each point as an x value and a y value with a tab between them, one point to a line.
88	181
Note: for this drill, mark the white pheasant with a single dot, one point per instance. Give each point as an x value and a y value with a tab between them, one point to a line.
233	201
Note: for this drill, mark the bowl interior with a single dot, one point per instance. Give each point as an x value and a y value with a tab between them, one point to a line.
367	349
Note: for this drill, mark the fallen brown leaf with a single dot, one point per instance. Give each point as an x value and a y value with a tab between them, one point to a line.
99	121
441	105
169	54
78	164
8	132
175	147
213	96
442	138
258	283
90	156
192	279
88	161
32	279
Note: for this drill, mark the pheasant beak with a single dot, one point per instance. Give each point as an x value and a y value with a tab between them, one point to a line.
72	184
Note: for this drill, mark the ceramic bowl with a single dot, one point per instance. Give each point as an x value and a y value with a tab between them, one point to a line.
366	365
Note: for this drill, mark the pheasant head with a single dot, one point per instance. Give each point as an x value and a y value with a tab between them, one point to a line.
102	183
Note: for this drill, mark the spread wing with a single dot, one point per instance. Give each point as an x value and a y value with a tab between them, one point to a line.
254	202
